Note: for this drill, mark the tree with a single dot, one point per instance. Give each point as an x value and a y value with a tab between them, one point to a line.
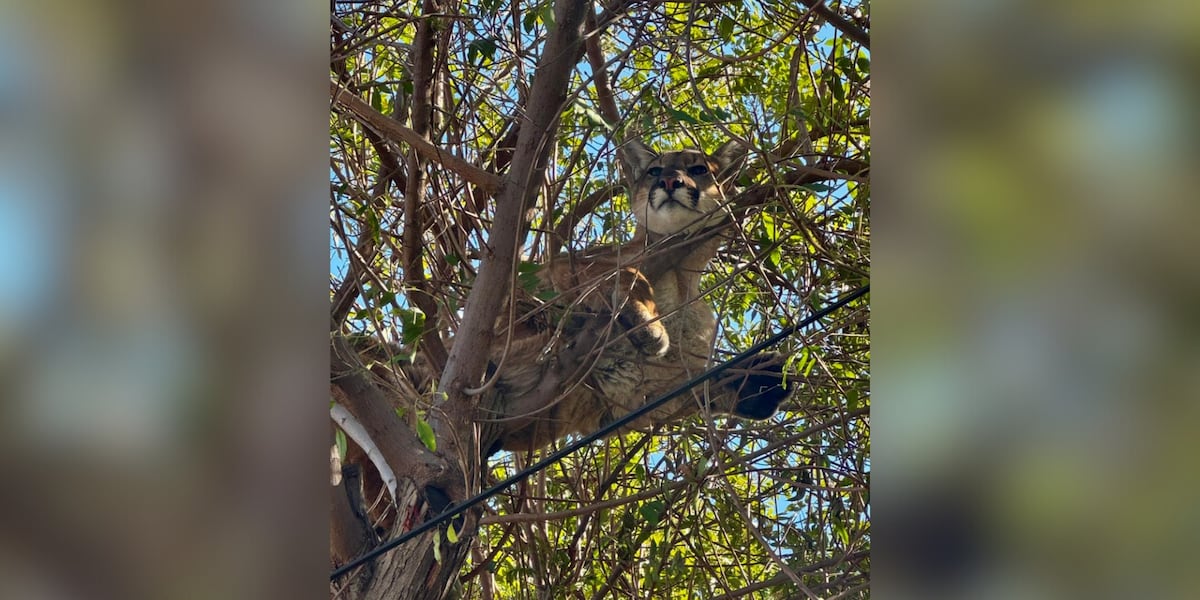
469	141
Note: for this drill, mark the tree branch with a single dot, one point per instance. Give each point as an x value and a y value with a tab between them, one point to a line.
414	191
839	22
536	138
564	228
604	93
394	130
836	169
783	578
583	510
397	443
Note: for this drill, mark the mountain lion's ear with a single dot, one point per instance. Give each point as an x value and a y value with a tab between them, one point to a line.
730	157
635	158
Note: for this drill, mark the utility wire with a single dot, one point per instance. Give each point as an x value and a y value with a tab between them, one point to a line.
455	510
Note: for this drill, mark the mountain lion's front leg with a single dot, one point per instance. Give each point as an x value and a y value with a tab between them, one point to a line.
637	313
613	295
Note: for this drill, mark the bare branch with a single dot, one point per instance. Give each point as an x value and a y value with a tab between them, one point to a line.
562	231
355	431
783	578
585	510
414	191
395	130
839	22
604	93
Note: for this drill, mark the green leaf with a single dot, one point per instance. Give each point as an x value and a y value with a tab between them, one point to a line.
770	226
412	325
725	28
340	439
425	432
770	239
835	86
715	116
451	534
682	117
652	511
538	13
842	533
483	49
527	275
774	257
595	118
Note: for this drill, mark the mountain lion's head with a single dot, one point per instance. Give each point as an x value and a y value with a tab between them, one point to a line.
682	190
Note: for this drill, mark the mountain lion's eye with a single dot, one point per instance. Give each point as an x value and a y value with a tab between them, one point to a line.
697	170
654	171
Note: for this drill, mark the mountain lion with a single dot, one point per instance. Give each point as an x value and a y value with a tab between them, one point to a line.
624	324
628	325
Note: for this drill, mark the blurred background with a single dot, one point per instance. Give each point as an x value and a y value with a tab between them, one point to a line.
164	304
1036	368
163	301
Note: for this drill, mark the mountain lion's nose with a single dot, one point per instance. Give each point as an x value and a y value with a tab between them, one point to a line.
671	181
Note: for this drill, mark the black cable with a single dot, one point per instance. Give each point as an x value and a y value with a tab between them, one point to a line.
454	511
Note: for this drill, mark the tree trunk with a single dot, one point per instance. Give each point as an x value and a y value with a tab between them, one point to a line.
413	570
